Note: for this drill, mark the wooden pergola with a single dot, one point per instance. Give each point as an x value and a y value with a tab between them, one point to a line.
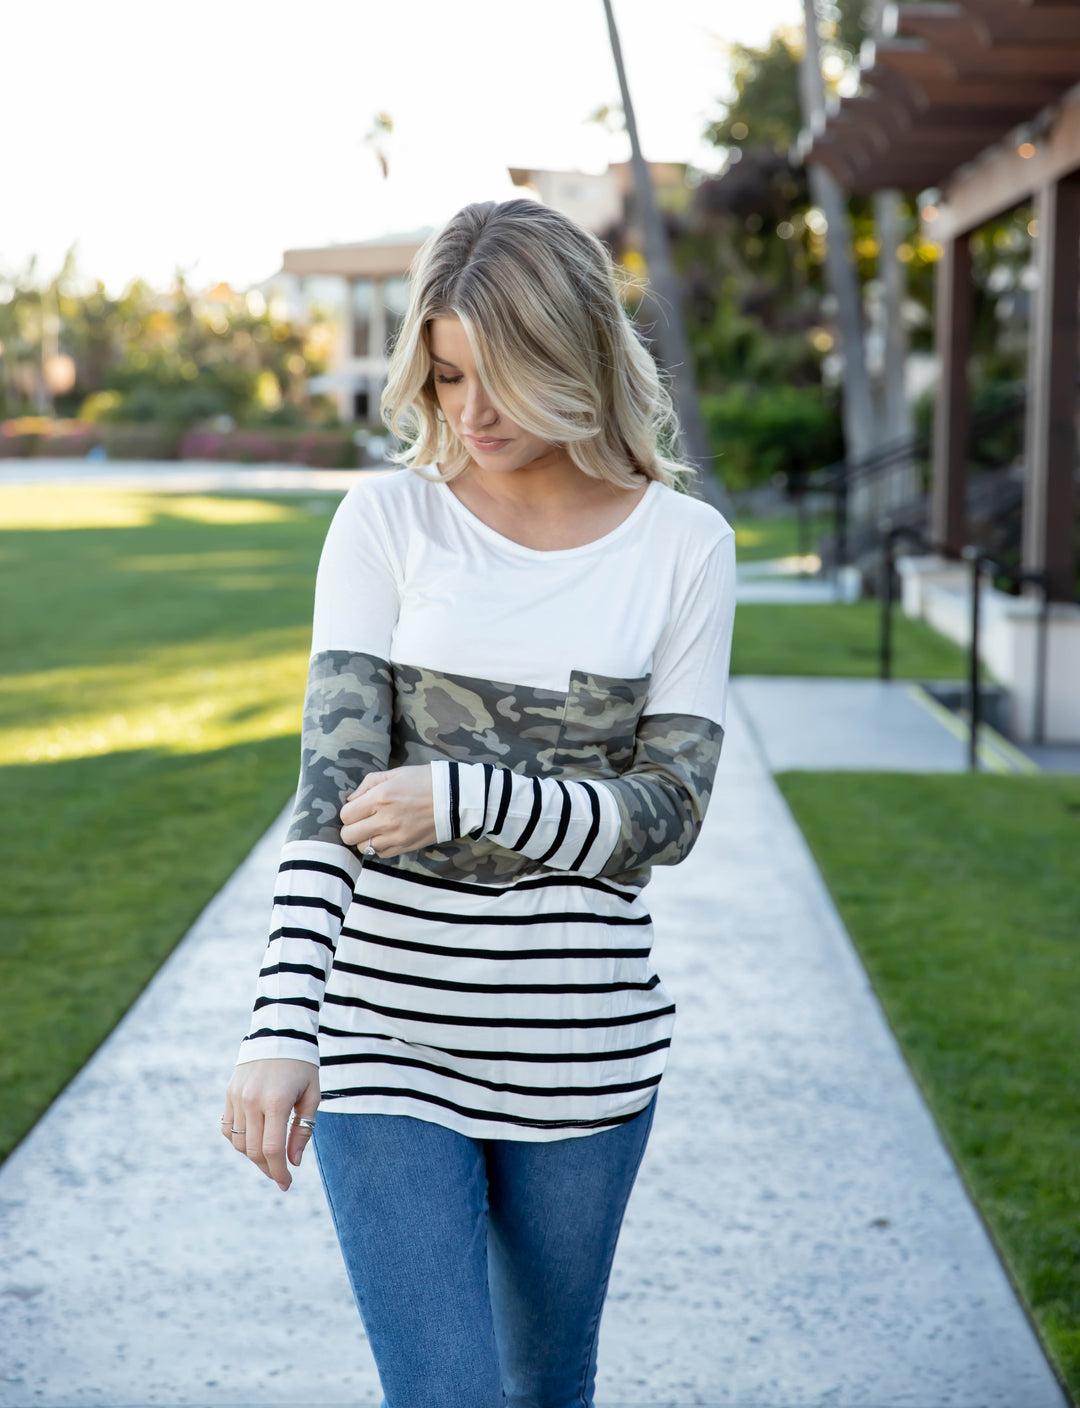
979	101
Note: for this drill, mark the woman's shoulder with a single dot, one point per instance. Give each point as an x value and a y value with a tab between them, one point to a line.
697	525
391	496
385	486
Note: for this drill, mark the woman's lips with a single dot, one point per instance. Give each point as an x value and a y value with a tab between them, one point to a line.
486	442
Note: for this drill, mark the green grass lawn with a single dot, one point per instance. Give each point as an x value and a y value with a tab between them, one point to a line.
842	638
962	896
152	666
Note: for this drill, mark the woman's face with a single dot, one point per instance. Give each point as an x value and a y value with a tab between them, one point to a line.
493	440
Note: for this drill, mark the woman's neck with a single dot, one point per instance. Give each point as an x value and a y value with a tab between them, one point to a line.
547	504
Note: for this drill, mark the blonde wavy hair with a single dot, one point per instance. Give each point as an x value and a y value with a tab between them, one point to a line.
538	298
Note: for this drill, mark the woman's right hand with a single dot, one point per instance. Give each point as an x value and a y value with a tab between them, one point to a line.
258	1101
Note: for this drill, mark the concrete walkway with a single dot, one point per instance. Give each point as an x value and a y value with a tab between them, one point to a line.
181	476
863	725
798	1235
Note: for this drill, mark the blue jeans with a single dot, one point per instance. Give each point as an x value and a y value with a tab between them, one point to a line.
479	1266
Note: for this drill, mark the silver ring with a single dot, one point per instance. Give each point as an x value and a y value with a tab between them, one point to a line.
369	850
238	1131
306	1124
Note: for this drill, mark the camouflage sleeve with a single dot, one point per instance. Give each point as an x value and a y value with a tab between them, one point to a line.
650	815
664	794
345	734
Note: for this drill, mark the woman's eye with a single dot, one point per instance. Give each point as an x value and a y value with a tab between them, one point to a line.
448	380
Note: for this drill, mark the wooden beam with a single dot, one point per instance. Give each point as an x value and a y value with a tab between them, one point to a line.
952	341
1010	19
972	46
1003	177
1049	496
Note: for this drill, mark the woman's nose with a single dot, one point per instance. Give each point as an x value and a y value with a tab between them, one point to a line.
478	412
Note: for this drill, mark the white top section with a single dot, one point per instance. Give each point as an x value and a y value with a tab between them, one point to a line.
444	591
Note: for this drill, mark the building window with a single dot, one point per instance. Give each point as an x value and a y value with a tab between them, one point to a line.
397	301
361	294
360	405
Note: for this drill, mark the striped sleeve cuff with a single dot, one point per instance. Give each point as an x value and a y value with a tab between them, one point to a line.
460	792
567	825
313	892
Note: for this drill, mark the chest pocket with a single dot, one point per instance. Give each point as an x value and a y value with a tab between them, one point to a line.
599	722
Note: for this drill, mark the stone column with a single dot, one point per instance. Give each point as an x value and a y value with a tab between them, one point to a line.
346	353
1049	496
952	341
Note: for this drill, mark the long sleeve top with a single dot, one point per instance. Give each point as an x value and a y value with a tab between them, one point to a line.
570	704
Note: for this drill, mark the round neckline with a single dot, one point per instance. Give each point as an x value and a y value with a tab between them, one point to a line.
546	554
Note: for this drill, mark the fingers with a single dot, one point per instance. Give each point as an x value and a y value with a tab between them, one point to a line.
359	820
257	1135
303	1125
253	1137
271	1157
359	809
235	1131
227	1120
369	781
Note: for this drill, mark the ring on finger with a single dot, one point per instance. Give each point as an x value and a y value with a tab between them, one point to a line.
238	1131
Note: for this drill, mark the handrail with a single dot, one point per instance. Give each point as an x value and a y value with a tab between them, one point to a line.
896	451
979	559
836	478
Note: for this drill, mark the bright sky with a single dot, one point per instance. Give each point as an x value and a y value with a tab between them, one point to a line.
216	135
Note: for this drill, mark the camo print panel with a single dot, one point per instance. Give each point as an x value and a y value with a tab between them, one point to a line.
675	759
599	724
345	735
439	715
588	730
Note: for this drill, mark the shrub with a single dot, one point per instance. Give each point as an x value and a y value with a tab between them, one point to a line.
322	449
757	432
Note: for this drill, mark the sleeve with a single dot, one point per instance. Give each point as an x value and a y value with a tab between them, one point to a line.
345	734
652	813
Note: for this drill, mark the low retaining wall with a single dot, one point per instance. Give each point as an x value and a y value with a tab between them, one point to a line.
938	591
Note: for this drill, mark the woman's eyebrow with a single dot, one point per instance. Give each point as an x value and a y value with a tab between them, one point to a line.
442	361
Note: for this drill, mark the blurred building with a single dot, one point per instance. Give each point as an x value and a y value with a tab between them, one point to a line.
365	284
974	108
604	202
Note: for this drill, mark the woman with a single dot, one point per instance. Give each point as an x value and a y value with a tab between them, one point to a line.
515	708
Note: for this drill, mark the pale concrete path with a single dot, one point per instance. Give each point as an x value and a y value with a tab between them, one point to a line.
181	476
798	1236
864	725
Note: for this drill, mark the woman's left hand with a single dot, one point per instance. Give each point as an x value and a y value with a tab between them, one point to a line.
393	810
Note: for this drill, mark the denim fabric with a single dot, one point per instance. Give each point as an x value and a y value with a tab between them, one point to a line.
479	1266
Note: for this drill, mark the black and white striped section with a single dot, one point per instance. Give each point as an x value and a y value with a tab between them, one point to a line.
312	896
567	824
526	1011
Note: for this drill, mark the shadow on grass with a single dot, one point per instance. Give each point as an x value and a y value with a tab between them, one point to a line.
170	581
109	860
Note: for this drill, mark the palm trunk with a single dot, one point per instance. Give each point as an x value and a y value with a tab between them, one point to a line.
665	302
860	428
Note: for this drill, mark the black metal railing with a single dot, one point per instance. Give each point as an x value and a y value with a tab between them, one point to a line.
980	562
839	477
